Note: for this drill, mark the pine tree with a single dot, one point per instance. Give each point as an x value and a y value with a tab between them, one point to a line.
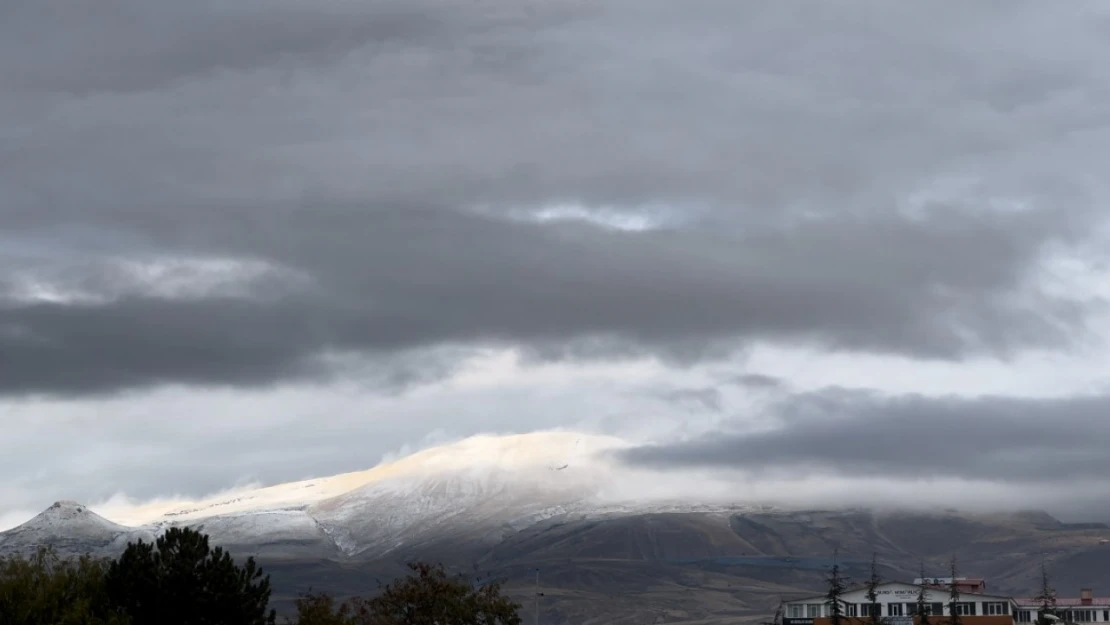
833	598
430	596
873	609
922	607
953	595
1046	597
427	597
180	580
776	619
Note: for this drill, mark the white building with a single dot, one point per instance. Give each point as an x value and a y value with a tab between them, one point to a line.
896	603
1086	608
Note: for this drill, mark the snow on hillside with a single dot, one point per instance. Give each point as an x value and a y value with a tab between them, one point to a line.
386	514
69	526
484	486
475	456
272	533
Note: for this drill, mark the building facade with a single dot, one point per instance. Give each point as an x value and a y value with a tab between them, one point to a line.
1086	608
896	604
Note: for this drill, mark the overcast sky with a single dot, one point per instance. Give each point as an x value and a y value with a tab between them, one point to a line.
256	241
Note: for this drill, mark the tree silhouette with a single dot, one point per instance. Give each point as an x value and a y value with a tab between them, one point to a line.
837	585
45	588
953	595
922	607
873	582
775	620
323	609
181	580
427	597
431	597
1046	597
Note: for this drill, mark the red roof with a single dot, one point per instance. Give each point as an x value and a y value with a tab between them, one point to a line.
971	586
1063	602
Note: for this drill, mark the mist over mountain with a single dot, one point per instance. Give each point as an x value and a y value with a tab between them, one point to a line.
499	508
669	299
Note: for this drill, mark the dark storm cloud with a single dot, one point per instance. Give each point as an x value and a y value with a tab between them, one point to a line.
419	279
862	435
388	154
130	45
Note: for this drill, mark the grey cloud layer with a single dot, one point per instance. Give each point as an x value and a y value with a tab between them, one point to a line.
382	153
862	435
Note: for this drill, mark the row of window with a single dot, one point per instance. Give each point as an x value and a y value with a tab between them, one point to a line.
1070	616
968	608
1084	615
990	608
996	608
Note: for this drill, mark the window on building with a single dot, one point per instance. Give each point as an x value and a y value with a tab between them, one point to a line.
850	609
869	609
796	610
894	609
996	608
1106	615
1024	616
813	610
1082	616
931	609
965	608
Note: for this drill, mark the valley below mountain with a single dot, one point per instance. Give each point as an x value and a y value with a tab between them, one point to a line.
502	509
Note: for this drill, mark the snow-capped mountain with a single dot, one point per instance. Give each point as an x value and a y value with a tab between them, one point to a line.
68	526
542	456
482	489
614	545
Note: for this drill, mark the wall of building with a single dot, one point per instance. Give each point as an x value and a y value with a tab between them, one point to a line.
1002	610
933	620
897	603
1073	614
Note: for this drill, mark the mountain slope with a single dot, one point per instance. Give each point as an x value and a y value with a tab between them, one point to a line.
524	458
68	527
270	534
384	516
501	508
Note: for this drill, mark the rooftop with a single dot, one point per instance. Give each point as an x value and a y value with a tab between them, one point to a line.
1064	602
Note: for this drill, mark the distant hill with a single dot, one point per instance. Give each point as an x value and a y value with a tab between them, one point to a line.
501	508
68	526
